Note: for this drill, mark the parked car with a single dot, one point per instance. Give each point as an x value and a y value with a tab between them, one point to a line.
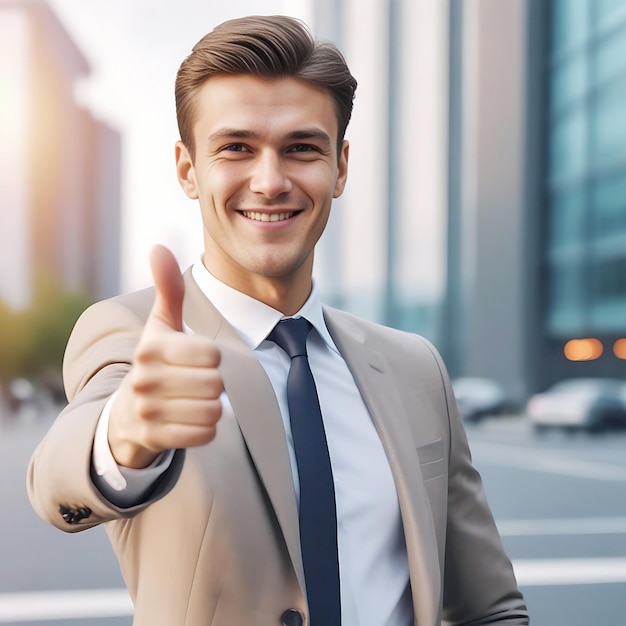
477	398
591	404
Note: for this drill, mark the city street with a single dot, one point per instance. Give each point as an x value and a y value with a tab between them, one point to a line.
560	503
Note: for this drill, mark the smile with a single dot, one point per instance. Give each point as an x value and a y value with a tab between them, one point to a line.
268	217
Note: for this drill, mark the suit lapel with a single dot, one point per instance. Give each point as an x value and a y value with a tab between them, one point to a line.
382	397
256	411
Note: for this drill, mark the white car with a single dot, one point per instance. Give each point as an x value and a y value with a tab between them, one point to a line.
592	404
479	397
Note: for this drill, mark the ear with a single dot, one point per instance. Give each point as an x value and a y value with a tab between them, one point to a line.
342	170
186	171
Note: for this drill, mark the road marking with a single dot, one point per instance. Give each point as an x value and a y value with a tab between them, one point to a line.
57	605
541	572
96	603
564	526
534	460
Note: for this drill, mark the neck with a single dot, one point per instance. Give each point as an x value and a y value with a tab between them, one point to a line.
286	298
286	294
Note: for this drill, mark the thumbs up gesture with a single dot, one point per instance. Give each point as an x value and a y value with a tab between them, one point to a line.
171	397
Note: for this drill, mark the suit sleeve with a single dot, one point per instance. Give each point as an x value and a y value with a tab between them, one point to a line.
479	583
97	358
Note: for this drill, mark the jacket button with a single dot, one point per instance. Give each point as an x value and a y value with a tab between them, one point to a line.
74	516
292	617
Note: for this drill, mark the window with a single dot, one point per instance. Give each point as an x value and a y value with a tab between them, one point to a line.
586	177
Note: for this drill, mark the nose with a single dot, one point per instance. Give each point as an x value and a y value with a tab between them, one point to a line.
269	176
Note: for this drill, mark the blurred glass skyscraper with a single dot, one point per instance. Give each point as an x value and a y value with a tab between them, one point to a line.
586	169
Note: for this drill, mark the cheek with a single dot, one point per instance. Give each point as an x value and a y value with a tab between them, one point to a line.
220	182
321	188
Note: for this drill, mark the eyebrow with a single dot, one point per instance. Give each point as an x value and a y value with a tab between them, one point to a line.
310	133
305	133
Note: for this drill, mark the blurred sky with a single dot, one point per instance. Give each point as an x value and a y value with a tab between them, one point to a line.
134	49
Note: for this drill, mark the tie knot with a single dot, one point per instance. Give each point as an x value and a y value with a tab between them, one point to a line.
290	335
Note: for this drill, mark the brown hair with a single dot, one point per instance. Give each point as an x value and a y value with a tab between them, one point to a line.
269	47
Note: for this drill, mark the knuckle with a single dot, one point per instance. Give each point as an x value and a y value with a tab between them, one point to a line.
146	408
212	354
143	385
214	383
147	350
146	379
214	411
209	434
209	413
216	356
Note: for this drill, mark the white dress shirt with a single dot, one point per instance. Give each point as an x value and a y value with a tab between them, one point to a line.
373	561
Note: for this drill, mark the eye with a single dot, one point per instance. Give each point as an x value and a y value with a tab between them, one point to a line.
303	147
235	147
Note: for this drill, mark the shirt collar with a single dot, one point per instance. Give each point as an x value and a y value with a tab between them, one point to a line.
253	320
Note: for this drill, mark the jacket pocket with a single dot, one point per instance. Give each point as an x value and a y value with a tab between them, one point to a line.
432	461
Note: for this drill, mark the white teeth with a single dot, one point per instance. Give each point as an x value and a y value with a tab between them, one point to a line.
268	217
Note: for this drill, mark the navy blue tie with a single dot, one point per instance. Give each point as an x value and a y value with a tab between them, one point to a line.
318	517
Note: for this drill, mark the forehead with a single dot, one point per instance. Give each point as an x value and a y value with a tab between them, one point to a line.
250	103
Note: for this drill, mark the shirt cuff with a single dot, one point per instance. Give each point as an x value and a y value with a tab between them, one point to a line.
133	482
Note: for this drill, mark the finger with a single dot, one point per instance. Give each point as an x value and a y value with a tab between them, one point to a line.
167	423
173	436
179	382
178	349
167	310
184	412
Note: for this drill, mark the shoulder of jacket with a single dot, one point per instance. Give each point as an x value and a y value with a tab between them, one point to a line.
371	328
139	302
386	338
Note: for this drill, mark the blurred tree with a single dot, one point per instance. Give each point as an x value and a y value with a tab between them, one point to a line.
32	342
13	345
51	317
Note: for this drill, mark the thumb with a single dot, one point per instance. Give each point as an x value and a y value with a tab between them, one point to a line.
170	289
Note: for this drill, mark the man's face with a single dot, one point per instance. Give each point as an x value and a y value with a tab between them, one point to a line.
265	172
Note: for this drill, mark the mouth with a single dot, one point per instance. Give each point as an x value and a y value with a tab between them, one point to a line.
259	216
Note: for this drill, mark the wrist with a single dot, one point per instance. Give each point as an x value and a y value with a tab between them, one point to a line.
126	451
131	455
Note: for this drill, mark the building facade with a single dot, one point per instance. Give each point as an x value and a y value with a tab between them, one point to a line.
60	188
537	254
485	206
584	188
491	299
383	255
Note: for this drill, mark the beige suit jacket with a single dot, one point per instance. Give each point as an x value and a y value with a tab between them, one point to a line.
217	543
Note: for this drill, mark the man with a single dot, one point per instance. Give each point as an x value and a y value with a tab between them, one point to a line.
183	430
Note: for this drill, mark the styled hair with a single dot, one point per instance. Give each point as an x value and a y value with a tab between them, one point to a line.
268	47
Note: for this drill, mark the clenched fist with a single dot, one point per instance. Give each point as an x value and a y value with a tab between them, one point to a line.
171	397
